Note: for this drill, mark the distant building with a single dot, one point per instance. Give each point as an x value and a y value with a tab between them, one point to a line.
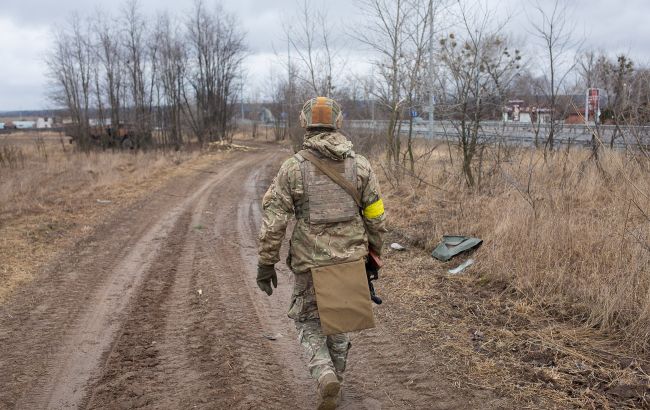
94	122
9	125
266	116
44	122
519	111
23	125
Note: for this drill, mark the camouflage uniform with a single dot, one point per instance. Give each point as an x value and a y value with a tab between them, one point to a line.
313	245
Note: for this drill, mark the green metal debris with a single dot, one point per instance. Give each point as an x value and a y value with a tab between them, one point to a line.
453	245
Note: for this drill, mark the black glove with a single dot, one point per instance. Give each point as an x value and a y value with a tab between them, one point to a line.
265	276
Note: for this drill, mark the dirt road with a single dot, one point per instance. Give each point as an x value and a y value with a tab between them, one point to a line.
158	308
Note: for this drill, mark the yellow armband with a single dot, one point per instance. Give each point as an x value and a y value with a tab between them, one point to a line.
374	210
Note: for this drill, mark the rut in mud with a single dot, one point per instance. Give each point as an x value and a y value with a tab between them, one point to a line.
158	308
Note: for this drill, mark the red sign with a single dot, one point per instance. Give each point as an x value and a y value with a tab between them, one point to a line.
593	100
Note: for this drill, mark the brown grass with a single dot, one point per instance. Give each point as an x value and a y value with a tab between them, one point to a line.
561	287
564	231
491	338
55	195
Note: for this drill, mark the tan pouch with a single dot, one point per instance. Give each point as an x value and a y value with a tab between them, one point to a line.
343	297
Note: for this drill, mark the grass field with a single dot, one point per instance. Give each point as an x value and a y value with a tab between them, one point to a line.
557	305
566	231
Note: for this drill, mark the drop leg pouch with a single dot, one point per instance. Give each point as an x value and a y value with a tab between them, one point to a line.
343	297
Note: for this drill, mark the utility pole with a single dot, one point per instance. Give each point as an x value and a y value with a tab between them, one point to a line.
241	92
432	98
289	81
587	105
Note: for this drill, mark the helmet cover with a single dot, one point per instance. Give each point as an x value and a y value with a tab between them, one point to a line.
321	112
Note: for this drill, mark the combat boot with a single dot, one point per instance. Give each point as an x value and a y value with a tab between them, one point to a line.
329	389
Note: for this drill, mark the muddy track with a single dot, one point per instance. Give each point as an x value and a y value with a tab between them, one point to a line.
158	308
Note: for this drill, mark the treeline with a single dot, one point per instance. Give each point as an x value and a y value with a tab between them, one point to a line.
164	79
422	65
456	61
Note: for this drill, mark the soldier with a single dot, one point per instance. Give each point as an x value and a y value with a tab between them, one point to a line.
330	229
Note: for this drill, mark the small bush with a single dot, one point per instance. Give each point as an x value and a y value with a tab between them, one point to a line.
12	157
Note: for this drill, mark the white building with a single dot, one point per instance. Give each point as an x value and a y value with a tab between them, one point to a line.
21	125
45	122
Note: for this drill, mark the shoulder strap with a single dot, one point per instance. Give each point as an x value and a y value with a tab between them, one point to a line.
325	168
298	157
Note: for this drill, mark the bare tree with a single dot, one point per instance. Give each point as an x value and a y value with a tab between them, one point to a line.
135	55
216	50
554	30
399	33
172	58
415	71
478	66
139	74
385	34
311	38
111	64
278	88
587	68
70	65
615	77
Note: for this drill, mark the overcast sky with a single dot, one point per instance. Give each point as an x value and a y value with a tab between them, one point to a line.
26	27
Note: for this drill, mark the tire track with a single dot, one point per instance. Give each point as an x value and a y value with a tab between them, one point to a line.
158	325
210	346
262	381
160	309
136	356
93	334
274	309
53	330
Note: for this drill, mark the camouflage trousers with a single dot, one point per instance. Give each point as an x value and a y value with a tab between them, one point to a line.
326	353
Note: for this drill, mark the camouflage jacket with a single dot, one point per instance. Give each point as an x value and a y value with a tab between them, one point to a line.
314	245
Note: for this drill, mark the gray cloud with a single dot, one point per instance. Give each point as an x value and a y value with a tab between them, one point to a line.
25	24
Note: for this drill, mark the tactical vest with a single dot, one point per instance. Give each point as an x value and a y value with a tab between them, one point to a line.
324	200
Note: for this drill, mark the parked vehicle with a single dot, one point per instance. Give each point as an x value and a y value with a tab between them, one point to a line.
109	136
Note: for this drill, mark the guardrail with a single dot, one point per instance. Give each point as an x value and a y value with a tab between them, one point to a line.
518	132
511	133
499	124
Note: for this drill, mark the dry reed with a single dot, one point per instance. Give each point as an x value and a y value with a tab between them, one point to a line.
566	231
556	311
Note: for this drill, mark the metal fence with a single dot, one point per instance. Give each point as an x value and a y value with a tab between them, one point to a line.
519	133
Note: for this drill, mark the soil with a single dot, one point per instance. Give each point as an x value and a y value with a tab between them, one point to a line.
157	308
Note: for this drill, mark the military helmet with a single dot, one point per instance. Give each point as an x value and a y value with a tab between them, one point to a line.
321	112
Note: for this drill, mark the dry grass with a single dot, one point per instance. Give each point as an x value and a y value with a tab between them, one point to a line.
259	132
491	338
55	195
566	259
563	231
48	179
